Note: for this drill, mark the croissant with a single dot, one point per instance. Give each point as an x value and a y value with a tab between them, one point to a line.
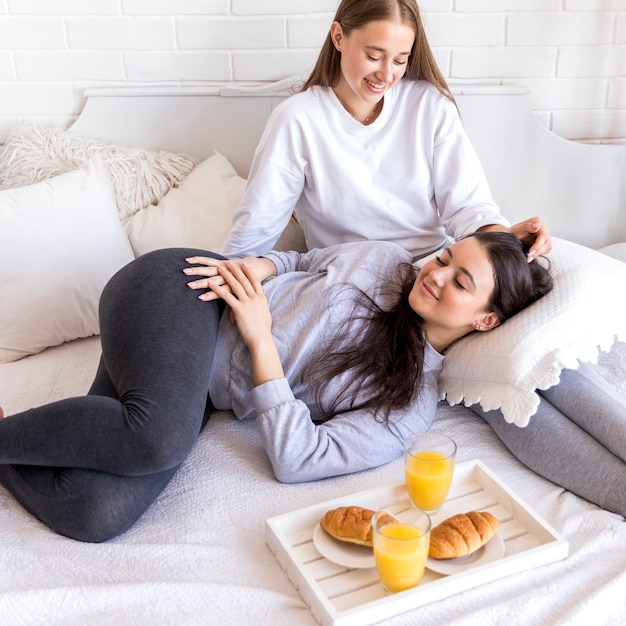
350	523
462	534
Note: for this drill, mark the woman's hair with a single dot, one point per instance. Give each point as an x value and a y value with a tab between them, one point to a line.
356	14
386	358
517	283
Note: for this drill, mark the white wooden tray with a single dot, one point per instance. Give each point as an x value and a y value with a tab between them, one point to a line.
342	596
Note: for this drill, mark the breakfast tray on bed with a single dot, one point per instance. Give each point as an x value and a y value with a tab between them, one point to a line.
345	596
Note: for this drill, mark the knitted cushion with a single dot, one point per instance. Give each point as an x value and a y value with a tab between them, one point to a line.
140	177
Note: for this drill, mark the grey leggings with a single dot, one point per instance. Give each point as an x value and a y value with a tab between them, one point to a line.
577	438
89	467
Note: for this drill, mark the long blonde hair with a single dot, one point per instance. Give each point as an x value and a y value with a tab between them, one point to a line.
356	14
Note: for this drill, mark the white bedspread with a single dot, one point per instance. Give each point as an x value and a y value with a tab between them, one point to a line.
198	556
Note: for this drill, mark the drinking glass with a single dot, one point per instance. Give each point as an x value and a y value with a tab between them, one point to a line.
428	468
400	547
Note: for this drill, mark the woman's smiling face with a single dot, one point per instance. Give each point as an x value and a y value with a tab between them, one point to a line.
373	58
452	292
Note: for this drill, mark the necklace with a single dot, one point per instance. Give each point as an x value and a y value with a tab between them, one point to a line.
375	111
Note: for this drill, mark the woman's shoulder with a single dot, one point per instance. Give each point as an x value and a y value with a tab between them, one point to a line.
414	93
300	105
371	251
420	88
367	260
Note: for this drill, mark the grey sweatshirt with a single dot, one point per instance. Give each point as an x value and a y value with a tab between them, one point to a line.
310	302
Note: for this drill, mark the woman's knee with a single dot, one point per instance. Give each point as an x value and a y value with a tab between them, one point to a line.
160	431
87	505
95	525
108	505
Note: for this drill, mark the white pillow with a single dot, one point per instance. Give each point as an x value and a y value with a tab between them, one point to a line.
140	177
198	213
61	241
616	250
584	314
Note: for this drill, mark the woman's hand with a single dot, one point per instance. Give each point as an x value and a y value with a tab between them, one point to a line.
535	233
208	269
532	232
242	291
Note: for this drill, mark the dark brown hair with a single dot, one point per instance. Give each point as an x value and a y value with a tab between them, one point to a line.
386	358
517	283
356	14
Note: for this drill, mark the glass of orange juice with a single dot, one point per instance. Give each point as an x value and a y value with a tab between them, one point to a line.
428	467
400	547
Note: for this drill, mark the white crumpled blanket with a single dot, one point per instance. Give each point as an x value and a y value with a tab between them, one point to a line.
199	556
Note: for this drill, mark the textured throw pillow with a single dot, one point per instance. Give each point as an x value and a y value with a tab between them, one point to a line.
583	315
198	213
60	242
140	177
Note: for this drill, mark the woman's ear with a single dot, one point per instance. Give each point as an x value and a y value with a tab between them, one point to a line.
336	35
486	321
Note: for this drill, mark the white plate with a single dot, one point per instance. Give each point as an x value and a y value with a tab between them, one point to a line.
341	552
491	551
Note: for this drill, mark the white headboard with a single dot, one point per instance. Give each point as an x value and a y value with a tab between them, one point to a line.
579	189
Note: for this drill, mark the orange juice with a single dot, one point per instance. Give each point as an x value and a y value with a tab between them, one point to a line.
428	477
400	552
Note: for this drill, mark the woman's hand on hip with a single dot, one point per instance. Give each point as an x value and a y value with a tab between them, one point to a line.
207	270
243	293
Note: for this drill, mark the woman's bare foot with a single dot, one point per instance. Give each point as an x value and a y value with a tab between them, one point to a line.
1	413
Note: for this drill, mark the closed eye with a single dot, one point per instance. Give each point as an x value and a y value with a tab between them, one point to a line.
396	61
457	282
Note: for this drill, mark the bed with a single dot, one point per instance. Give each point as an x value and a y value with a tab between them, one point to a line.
199	555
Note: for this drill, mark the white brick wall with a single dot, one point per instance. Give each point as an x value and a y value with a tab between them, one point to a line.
571	54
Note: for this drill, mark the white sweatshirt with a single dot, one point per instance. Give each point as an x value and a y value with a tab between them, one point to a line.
411	177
